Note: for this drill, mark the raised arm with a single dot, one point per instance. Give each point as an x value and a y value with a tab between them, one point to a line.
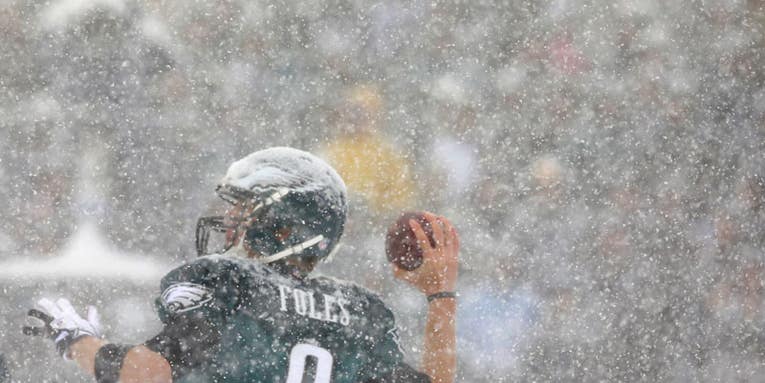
437	279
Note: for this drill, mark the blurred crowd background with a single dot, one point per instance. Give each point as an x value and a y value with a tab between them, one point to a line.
604	161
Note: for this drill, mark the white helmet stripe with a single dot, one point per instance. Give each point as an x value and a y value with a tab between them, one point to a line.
297	249
277	195
274	197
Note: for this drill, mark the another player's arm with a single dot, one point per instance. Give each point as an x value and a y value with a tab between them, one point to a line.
437	279
139	364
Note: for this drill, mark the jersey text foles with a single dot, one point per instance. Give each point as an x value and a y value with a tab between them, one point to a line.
305	303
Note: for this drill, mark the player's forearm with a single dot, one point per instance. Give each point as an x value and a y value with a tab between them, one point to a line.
83	352
439	360
140	364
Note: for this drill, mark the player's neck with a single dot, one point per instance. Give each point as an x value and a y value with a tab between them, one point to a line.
289	269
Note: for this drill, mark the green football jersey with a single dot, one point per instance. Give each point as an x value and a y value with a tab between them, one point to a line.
231	319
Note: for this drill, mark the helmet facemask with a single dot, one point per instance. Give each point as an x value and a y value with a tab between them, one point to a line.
245	208
284	204
269	229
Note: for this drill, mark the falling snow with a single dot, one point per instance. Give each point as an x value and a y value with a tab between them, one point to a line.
603	162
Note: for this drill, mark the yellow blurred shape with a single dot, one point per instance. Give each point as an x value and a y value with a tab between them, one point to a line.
373	168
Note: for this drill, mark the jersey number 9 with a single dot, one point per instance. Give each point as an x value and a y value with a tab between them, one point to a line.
298	356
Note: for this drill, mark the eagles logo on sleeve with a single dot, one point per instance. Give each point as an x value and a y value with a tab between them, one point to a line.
182	297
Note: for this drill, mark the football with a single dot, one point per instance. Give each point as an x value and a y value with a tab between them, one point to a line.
401	245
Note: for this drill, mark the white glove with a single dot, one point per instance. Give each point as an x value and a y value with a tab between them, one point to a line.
59	322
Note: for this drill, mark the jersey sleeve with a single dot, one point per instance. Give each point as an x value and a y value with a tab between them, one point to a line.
387	357
194	303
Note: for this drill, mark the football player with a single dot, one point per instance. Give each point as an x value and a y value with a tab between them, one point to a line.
251	312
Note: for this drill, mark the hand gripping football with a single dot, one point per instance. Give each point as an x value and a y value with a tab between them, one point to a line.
401	244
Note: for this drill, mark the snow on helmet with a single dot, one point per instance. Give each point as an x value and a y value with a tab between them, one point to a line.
287	202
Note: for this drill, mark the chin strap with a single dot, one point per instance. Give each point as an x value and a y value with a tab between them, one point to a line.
297	249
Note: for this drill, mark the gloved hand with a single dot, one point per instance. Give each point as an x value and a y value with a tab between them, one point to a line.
60	322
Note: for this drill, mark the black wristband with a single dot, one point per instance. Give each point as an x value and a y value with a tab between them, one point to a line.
442	294
109	360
